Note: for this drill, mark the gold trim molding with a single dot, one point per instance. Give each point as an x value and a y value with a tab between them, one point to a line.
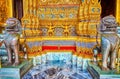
118	10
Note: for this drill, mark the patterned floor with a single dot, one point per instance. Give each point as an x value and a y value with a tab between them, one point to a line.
56	71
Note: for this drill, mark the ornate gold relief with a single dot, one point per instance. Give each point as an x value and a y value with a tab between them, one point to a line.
58	13
89	17
81	10
54	18
5	10
94	10
86	9
52	2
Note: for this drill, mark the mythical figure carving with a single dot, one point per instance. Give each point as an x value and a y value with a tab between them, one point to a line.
109	41
11	40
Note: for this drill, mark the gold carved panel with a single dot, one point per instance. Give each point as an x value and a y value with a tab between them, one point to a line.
5	10
53	13
49	14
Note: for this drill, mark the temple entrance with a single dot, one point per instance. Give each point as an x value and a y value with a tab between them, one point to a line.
60	26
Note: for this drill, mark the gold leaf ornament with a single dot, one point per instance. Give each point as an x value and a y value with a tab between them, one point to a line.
43	0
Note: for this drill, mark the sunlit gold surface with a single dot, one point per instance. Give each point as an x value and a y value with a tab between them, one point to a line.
51	14
89	17
58	13
118	20
118	10
39	13
60	38
5	10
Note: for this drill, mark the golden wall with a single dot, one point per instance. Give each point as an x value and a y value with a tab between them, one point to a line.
61	20
52	15
6	10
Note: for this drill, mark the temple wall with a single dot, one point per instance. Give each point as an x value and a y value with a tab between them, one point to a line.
6	10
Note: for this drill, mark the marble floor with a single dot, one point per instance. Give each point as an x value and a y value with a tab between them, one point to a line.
56	70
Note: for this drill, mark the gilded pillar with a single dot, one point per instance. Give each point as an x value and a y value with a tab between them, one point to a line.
118	20
25	9
118	10
10	7
94	15
31	6
79	28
